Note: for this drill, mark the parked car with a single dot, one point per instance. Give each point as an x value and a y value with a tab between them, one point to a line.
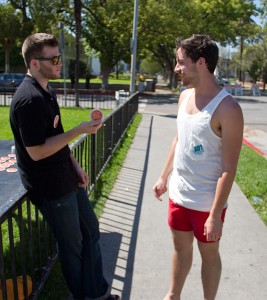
226	81
222	81
10	81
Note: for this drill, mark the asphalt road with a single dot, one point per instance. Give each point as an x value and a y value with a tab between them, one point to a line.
255	122
254	110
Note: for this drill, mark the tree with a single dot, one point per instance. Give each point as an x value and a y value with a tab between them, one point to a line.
8	34
263	8
26	24
36	16
39	16
151	67
255	56
161	22
106	26
264	76
263	53
254	61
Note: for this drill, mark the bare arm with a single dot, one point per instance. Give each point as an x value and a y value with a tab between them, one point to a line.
160	187
55	143
231	120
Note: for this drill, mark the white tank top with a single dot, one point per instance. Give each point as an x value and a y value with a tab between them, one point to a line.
197	162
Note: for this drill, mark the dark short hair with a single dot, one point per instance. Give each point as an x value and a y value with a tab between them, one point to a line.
198	46
34	44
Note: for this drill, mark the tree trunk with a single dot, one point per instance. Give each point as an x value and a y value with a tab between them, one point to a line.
117	71
240	75
175	80
105	71
7	55
171	78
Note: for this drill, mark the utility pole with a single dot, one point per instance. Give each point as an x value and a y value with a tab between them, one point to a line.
134	48
62	46
63	58
77	13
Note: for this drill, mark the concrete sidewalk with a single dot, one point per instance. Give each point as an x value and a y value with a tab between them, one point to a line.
136	240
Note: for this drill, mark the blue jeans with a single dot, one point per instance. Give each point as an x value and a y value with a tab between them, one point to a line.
76	228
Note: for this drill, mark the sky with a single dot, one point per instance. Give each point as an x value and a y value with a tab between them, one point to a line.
257	19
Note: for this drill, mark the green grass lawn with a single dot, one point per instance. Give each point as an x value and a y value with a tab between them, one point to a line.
123	79
70	118
251	176
5	130
98	80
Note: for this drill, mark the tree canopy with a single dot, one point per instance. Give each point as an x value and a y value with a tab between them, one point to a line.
106	25
161	22
107	29
9	34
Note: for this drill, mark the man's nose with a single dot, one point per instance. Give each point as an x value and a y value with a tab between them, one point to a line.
177	68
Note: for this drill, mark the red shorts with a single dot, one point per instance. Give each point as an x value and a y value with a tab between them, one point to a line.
184	219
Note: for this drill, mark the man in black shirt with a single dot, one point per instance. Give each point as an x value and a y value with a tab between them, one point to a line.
54	179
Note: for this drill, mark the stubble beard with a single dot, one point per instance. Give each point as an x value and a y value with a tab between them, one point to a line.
190	78
186	80
49	74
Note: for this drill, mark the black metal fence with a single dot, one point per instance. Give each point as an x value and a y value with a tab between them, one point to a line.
6	97
94	151
87	98
27	248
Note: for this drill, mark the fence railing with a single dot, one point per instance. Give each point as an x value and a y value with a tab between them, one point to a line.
94	151
27	248
87	98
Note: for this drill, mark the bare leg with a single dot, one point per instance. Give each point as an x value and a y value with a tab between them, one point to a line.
181	262
211	268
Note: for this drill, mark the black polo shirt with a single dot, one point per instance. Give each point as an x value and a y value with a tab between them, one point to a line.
34	117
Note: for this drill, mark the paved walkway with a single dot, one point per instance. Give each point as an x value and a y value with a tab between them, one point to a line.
136	241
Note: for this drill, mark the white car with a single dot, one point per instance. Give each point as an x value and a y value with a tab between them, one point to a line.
222	81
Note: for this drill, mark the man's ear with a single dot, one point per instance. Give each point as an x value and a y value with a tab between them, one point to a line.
202	62
34	64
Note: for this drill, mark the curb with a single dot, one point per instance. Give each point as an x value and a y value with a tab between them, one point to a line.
253	147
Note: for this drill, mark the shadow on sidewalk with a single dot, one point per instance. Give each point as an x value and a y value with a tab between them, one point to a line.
120	221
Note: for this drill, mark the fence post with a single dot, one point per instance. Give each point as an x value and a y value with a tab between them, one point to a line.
93	164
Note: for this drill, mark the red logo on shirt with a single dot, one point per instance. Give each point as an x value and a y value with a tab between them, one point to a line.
56	121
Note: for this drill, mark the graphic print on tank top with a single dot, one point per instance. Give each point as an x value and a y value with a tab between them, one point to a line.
195	145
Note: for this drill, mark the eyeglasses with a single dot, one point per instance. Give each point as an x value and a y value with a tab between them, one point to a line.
55	60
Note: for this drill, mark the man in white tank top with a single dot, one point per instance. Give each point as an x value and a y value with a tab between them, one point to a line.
202	162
